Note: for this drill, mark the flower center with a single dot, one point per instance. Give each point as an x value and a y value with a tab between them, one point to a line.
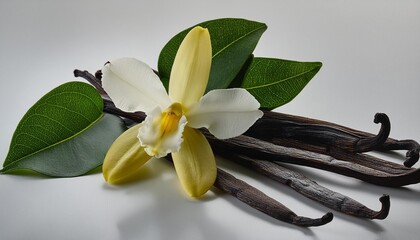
161	132
170	119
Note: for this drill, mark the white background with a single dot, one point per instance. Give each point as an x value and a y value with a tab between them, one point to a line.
371	56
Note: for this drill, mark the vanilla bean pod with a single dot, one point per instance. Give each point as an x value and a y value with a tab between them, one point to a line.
412	147
109	106
310	188
270	152
258	200
271	126
278	125
263	203
360	159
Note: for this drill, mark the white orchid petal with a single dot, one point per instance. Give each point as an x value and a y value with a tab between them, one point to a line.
151	138
195	164
226	113
133	86
191	69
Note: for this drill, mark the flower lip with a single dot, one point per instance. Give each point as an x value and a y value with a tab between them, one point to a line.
161	132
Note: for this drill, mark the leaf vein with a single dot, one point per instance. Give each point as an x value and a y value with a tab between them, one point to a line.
236	40
53	145
281	80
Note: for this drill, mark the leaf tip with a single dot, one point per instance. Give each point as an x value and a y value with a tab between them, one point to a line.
318	67
319	64
265	26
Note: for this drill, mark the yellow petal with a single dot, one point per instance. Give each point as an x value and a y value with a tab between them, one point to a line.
195	163
191	69
124	158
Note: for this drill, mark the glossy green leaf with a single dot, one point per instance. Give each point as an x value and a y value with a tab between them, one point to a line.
233	41
64	134
237	82
275	82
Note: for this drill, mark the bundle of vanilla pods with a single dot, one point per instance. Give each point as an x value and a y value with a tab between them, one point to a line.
278	139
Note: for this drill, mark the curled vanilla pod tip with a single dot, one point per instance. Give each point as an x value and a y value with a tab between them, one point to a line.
313	190
333	136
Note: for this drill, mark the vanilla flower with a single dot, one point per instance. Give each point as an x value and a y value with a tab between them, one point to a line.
173	119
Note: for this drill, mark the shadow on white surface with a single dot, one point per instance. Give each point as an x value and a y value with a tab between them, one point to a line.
169	214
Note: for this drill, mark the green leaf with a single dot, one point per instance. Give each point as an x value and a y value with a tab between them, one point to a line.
237	82
233	40
64	134
275	82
